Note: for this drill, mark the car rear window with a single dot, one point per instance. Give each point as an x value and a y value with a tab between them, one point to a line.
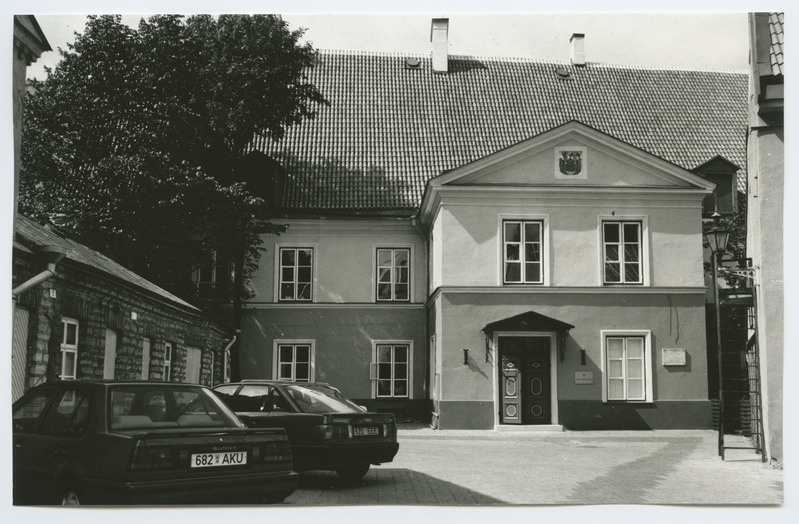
321	399
143	407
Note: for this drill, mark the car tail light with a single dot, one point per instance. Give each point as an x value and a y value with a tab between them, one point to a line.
152	457
334	431
390	430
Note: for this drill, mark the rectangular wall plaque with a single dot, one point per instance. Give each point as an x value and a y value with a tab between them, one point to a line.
673	357
583	377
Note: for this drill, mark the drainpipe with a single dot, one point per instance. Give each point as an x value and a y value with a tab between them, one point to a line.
53	254
224	354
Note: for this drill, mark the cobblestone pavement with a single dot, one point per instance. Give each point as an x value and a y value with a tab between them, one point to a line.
440	468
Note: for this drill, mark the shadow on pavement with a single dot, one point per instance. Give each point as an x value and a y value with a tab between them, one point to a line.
383	486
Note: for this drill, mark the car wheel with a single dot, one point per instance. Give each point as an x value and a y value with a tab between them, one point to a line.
353	473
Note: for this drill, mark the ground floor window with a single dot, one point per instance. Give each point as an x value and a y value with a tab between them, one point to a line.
391	369
69	349
627	366
294	361
167	361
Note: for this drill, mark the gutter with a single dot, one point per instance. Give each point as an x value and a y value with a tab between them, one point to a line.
53	254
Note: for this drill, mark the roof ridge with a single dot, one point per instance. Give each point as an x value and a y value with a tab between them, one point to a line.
522	59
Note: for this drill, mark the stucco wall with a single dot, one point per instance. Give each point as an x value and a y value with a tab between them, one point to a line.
603	168
342	337
344	252
472	249
765	246
676	321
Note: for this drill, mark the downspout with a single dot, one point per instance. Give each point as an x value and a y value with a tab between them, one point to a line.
224	355
54	254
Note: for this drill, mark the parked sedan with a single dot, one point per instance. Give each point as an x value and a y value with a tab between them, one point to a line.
105	442
326	430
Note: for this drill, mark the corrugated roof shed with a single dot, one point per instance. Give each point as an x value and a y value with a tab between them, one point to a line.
776	28
32	232
390	128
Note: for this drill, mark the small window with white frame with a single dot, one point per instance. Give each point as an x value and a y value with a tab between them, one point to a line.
294	361
627	366
391	369
393	274
168	354
295	274
69	348
523	248
622	252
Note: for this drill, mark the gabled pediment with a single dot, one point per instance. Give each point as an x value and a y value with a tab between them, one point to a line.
571	157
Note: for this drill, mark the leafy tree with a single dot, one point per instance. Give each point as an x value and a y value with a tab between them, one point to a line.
136	144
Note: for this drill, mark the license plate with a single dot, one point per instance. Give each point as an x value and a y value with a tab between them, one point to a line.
212	460
366	431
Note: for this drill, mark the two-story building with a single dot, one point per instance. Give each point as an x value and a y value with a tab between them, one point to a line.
491	243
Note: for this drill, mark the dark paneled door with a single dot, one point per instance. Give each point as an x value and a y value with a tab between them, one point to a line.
525	380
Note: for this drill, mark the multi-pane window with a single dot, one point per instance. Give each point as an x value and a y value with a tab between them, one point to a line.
167	361
294	362
69	349
625	368
523	248
391	370
214	276
621	247
296	274
393	274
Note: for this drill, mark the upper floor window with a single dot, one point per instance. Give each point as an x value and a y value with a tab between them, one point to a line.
296	274
523	246
393	274
214	275
621	252
69	349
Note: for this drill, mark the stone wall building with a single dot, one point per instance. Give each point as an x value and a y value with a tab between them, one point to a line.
79	314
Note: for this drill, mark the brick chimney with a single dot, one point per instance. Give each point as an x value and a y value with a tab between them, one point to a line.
439	35
577	49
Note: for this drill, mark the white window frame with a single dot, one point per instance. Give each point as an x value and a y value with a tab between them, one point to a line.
373	368
278	280
375	270
643	223
146	345
169	351
294	343
502	218
69	348
648	363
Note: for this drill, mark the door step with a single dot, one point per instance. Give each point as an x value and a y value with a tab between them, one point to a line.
529	428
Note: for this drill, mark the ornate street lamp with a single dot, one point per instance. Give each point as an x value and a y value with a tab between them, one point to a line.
717	238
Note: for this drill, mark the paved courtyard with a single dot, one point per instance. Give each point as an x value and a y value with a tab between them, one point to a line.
439	468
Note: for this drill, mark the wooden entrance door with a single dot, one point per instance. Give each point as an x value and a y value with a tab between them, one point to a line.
525	382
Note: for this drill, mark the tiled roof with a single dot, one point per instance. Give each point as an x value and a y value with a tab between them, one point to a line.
37	234
776	28
390	128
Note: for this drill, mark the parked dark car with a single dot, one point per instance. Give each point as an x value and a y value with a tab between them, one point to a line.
327	431
105	442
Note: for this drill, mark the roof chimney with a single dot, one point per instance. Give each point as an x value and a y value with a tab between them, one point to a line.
577	48
439	35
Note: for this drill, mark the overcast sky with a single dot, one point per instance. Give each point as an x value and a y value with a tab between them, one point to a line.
673	40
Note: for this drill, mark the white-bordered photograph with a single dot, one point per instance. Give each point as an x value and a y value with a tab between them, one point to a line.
309	259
